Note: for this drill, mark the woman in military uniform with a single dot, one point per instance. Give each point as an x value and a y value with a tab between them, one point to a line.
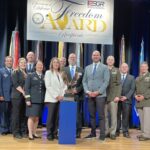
34	90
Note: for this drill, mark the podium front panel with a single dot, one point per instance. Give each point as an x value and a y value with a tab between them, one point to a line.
67	122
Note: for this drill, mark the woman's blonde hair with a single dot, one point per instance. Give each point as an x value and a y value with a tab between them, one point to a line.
20	59
51	64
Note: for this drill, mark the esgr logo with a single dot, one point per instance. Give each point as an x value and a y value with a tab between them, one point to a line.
96	4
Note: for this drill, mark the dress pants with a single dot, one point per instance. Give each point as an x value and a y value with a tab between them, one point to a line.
52	119
144	114
124	109
19	120
111	118
5	117
79	116
97	104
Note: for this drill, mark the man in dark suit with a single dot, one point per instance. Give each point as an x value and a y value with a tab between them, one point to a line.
75	74
30	62
5	95
124	105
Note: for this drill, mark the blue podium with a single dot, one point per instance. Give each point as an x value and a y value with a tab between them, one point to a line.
67	122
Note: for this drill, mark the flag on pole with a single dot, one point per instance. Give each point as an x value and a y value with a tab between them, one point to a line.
102	53
135	114
142	52
79	54
3	48
60	49
122	51
39	52
14	50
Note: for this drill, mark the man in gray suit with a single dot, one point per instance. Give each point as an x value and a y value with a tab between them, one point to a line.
95	81
124	105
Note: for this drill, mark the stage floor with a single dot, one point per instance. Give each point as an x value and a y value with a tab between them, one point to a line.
9	143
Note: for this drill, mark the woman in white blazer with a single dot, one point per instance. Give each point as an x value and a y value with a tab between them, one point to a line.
55	89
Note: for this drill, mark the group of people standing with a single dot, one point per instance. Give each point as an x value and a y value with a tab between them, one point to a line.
110	91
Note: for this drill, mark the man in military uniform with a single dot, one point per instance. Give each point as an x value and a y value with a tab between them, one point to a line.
143	101
113	95
5	96
74	76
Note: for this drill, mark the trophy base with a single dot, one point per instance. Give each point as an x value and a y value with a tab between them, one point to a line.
68	97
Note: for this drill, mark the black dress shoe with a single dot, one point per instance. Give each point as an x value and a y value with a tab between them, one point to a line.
117	133
18	136
78	135
138	136
31	138
36	137
4	133
142	138
56	136
102	138
25	135
90	136
126	135
113	137
50	137
107	135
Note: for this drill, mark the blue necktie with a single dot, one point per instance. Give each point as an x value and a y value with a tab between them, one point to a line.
94	70
72	72
30	67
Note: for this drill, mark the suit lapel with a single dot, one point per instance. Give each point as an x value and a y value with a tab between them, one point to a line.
56	79
91	69
6	70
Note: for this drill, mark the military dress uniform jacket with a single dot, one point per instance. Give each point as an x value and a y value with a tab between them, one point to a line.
5	84
114	87
35	88
143	88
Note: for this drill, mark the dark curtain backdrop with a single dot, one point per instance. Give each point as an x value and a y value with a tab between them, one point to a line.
131	18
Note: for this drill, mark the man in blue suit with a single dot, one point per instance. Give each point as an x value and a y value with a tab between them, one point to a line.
5	95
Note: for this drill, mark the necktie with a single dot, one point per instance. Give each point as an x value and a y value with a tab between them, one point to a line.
9	71
72	72
94	70
30	67
123	78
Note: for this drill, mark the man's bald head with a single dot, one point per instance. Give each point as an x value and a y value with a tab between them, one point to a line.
96	56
